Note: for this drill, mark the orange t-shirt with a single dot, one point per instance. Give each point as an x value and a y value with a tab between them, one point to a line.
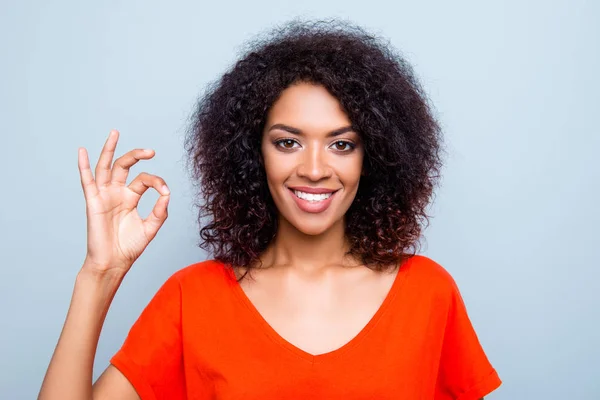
200	337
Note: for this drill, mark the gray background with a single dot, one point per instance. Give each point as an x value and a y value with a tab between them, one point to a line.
516	88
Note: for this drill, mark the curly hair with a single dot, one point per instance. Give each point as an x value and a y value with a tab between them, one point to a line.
378	91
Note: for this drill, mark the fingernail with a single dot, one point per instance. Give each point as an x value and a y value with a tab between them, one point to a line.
165	189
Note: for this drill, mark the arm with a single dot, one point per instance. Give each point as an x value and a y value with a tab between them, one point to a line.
76	349
116	237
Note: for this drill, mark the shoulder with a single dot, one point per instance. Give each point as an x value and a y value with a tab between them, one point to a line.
210	277
208	269
426	268
427	275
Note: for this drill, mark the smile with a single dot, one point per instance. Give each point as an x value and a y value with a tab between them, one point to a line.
312	197
315	202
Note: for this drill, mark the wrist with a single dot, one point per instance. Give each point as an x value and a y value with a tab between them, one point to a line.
92	273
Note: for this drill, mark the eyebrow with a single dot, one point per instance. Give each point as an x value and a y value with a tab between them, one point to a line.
296	131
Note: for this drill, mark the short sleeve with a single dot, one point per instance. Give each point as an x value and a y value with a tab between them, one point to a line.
151	356
465	372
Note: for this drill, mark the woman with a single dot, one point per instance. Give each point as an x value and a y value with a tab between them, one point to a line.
316	155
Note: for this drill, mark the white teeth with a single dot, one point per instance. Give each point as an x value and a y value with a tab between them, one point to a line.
312	197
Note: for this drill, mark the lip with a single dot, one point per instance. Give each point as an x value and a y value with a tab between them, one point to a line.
312	190
312	207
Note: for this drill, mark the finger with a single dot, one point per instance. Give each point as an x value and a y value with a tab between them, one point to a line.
143	182
105	160
85	173
157	217
121	167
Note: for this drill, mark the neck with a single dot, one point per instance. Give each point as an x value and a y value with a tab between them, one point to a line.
311	253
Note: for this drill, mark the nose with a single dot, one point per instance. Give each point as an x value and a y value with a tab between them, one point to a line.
314	164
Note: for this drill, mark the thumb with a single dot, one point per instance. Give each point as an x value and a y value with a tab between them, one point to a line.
157	216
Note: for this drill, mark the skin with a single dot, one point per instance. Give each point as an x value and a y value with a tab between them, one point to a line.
116	236
299	150
306	288
314	296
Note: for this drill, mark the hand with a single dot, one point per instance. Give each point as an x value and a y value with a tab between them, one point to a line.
116	234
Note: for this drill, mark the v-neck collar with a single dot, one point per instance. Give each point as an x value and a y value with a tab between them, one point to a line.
320	358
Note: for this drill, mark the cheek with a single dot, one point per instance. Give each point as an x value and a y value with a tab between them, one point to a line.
276	168
269	162
350	170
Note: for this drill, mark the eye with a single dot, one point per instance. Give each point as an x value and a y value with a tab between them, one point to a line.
342	145
286	144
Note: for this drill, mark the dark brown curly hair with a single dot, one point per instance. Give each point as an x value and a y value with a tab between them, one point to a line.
382	98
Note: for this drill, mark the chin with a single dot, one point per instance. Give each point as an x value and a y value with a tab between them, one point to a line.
312	228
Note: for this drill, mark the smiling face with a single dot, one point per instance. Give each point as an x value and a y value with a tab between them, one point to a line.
312	157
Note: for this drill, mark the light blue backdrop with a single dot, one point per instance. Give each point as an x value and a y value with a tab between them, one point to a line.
516	221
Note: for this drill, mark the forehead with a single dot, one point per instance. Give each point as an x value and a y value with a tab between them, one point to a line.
309	107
